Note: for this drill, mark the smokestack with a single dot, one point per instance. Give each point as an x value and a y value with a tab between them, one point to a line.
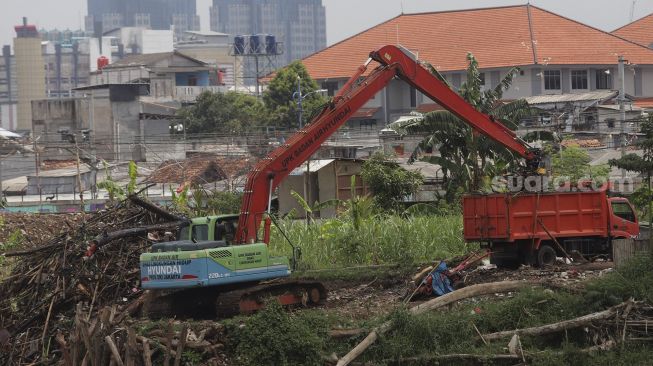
24	20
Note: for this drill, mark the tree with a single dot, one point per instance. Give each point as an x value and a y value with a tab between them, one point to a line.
643	197
574	162
279	96
389	182
220	112
465	157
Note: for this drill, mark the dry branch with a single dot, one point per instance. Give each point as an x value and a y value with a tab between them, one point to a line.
438	302
560	326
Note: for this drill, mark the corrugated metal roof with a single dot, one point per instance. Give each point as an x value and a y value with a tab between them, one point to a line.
8	134
569	98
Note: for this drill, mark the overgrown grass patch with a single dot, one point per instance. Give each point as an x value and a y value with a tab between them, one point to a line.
379	240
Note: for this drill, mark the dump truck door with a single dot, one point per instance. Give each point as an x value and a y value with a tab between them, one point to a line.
623	220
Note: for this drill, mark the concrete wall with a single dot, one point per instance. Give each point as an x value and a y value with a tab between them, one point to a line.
30	76
61	185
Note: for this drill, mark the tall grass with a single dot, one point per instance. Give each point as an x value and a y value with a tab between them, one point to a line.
379	240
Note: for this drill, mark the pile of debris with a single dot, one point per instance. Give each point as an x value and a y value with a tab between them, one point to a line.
94	263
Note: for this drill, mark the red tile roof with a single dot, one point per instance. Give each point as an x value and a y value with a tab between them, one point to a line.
498	37
639	31
429	107
645	103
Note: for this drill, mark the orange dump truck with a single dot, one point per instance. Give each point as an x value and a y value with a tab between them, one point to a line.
532	228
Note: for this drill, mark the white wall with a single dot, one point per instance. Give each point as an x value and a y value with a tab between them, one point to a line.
156	41
8	116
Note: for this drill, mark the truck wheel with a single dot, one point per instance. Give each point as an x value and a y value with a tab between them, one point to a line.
546	256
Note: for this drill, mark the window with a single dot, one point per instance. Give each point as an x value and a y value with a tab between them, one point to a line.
200	232
623	210
552	80
192	80
603	79
610	122
331	87
413	97
579	79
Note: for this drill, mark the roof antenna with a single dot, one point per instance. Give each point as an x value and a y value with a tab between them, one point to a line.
402	6
632	11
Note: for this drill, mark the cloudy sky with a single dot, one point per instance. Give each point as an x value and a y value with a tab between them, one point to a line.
344	17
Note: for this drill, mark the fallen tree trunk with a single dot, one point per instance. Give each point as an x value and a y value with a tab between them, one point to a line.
438	302
557	327
157	210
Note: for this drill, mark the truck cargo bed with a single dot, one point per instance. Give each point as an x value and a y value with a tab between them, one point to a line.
509	217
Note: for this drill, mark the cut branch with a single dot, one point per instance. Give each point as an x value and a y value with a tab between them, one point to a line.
557	327
438	302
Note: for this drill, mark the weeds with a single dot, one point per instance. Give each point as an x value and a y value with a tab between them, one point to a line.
378	240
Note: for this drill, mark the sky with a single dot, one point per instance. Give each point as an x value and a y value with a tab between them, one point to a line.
344	17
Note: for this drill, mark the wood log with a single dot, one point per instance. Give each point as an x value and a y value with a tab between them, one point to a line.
182	343
63	346
147	354
114	350
157	210
345	333
438	302
557	327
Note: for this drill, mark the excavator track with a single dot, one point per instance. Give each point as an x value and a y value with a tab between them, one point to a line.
288	293
228	301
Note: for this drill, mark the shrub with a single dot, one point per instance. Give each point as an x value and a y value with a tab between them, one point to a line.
275	337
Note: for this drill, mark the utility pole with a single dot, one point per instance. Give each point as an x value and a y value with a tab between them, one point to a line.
622	110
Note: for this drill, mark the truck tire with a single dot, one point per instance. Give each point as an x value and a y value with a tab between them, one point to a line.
546	256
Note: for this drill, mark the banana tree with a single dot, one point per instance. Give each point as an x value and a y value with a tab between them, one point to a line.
466	157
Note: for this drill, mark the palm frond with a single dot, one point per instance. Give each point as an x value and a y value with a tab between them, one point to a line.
436	73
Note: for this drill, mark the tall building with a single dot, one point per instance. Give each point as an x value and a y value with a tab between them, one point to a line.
30	73
154	14
299	24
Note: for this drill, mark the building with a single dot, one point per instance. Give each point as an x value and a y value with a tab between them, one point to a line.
30	73
556	55
8	89
211	48
180	15
299	24
169	76
328	179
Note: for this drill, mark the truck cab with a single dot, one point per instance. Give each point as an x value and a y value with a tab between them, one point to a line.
623	219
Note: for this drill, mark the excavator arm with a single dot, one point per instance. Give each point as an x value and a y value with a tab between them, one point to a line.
394	62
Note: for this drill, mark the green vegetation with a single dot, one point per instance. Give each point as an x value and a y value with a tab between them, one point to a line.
574	162
466	158
643	197
377	240
389	182
234	112
14	241
202	202
276	337
222	112
279	101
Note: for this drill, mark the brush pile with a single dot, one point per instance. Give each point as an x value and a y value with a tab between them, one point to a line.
94	263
